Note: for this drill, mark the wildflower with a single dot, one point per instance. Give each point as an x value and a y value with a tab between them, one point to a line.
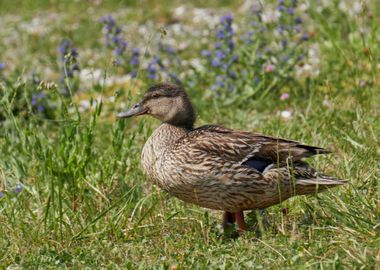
286	114
69	59
305	36
284	43
170	50
152	68
298	20
18	188
290	10
362	83
223	56
227	19
215	62
219	54
327	103
40	108
135	62
2	195
269	68
2	66
281	8
256	8
284	96
36	98
113	37
206	53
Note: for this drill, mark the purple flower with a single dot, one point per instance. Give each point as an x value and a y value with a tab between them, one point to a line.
135	57
18	188
290	10
152	68
2	195
64	46
219	54
298	28
281	28
170	50
220	34
215	62
226	18
220	81
69	58
134	61
40	95
232	74
231	45
2	66
256	8
37	97
40	108
133	73
298	20
253	23
305	36
223	56
117	30
281	8
107	19
250	33
206	53
113	37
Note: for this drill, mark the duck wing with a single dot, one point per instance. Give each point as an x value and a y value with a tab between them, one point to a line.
251	149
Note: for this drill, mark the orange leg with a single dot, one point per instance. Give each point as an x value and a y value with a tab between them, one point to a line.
239	216
228	219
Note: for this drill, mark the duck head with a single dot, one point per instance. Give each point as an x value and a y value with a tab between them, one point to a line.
167	102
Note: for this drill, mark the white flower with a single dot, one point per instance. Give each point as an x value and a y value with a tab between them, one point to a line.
196	63
179	11
306	70
286	114
327	103
270	16
89	77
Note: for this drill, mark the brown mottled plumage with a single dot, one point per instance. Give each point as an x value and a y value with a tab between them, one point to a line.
221	168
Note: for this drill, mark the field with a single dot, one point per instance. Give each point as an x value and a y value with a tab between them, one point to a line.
72	193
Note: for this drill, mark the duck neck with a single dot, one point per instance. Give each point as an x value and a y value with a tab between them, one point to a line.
165	136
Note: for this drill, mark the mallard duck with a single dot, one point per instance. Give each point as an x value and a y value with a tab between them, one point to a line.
221	168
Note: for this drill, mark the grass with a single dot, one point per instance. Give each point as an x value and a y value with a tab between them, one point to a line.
86	203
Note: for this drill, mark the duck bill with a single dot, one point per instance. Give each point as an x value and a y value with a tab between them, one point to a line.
136	109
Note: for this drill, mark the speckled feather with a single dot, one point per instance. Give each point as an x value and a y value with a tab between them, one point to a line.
205	166
221	168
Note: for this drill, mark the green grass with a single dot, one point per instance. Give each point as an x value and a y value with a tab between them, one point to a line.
86	202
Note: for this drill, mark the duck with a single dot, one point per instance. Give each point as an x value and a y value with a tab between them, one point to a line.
219	168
